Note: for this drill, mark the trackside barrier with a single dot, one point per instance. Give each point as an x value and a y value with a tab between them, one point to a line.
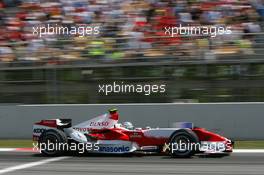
233	120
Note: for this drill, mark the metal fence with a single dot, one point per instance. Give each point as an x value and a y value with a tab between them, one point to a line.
189	82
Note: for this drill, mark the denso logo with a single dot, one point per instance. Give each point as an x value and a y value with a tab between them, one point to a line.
99	123
115	149
39	130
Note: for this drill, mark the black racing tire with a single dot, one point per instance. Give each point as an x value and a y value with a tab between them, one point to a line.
56	137
185	138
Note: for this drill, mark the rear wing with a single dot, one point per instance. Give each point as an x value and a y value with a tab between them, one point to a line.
43	125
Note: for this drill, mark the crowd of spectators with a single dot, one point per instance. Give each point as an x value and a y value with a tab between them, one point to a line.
129	29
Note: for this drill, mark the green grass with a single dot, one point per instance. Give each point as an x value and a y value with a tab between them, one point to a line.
16	143
28	143
249	144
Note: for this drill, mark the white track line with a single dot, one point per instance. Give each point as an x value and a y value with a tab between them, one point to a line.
234	150
29	165
7	149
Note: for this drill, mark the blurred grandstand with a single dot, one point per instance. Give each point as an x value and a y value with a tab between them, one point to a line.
132	47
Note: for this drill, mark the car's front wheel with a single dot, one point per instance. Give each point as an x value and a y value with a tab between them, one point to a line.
183	144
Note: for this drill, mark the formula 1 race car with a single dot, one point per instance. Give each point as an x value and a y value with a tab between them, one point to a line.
103	134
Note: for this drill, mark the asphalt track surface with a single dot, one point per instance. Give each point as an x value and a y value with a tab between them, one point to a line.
237	163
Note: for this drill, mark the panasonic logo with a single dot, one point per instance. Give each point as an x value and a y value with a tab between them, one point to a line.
114	149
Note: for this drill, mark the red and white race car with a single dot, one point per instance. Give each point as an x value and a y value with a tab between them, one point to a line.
103	134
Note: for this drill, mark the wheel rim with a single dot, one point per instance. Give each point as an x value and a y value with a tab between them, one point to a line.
50	140
182	144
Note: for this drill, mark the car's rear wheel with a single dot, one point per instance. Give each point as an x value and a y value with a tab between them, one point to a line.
53	142
183	144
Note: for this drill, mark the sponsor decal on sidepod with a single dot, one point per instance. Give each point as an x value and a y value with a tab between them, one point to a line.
114	149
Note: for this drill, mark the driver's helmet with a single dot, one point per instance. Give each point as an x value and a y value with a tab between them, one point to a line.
128	125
